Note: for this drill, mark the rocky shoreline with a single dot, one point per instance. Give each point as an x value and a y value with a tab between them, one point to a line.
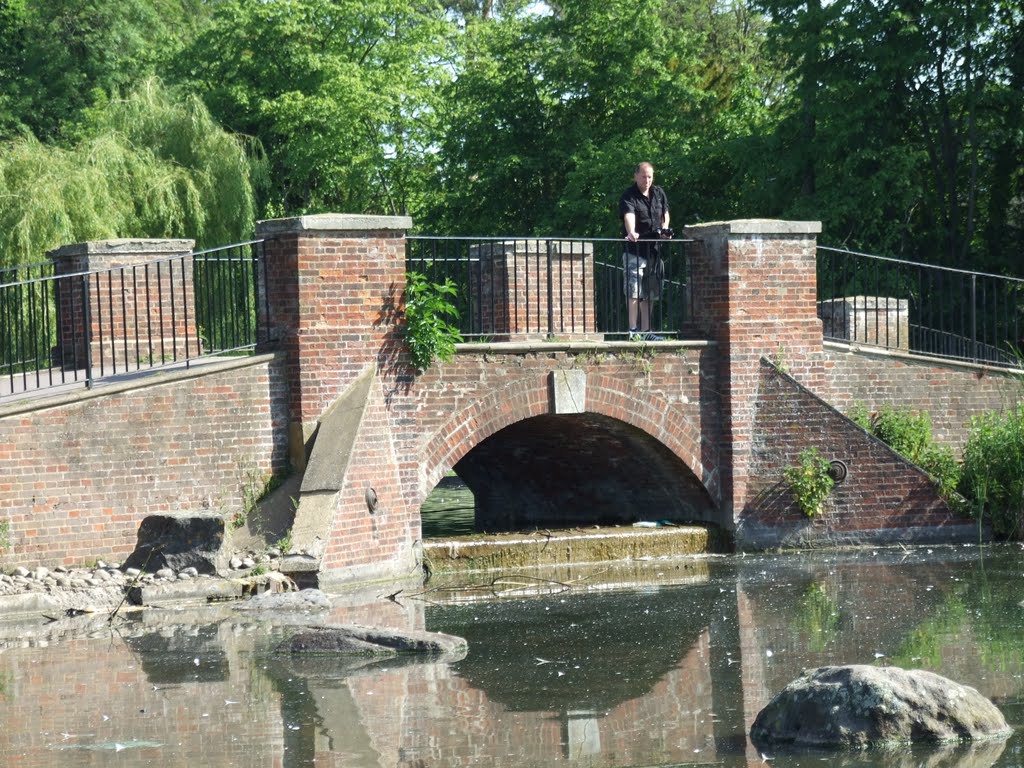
107	587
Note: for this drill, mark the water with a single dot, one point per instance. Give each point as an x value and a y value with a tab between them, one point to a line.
667	671
448	510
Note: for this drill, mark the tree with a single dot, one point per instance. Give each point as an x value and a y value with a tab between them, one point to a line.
550	111
339	93
150	165
887	130
59	55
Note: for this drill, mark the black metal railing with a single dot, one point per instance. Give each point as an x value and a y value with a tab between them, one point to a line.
920	308
514	286
77	328
227	290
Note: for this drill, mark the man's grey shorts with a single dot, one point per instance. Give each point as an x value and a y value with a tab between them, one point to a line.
634	270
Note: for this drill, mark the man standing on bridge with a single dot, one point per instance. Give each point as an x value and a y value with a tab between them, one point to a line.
644	212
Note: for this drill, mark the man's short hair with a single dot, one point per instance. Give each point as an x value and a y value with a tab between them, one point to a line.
642	165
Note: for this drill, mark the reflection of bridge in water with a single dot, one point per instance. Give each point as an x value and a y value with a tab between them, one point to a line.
668	673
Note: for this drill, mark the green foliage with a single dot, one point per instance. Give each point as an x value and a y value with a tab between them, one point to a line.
256	485
818	614
778	359
929	181
909	433
340	93
923	646
905	431
428	331
59	56
510	117
284	544
861	416
993	476
557	107
809	481
152	166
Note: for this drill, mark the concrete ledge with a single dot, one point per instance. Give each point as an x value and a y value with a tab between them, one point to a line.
521	347
332	222
752	227
752	538
910	358
76	392
483	552
149	247
193	590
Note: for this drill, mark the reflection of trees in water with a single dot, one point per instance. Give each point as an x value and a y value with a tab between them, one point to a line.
819	614
577	651
844	608
922	646
981	754
981	610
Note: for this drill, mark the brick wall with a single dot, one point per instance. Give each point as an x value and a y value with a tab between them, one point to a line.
81	471
333	289
883	497
629	401
754	293
950	393
511	278
141	304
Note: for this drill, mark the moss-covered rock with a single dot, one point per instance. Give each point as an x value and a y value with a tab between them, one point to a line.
859	706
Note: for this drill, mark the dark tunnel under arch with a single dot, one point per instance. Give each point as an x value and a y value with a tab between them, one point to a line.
563	471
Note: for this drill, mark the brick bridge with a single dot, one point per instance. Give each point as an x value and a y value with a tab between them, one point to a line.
547	433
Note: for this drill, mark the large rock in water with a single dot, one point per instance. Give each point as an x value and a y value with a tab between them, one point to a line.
859	706
356	640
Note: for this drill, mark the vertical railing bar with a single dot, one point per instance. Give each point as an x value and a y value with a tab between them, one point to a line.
974	317
876	295
229	299
74	310
174	314
526	281
550	289
151	351
49	285
184	310
21	337
479	284
99	323
33	329
49	322
160	310
262	259
87	331
588	296
124	319
135	301
7	335
248	308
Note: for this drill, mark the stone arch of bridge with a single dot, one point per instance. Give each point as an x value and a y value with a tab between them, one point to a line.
620	459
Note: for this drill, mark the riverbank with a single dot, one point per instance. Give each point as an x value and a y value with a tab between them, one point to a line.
107	587
452	563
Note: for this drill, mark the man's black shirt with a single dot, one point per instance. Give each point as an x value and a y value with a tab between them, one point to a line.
649	212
